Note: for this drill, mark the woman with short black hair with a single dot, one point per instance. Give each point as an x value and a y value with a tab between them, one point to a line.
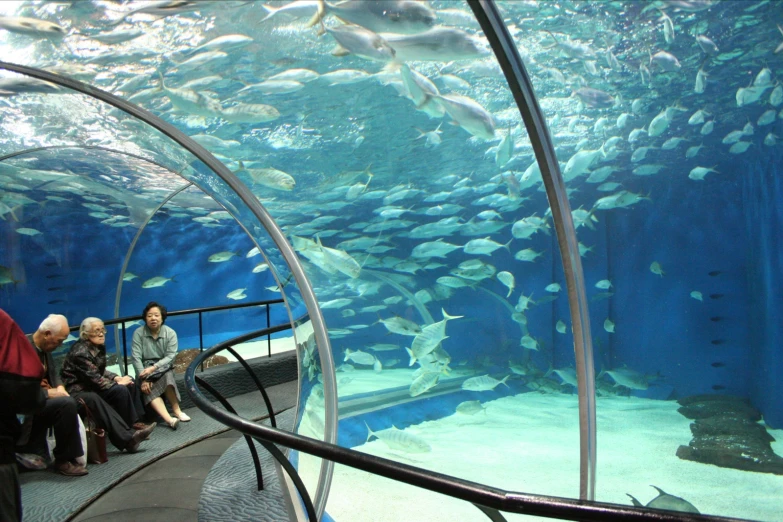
154	349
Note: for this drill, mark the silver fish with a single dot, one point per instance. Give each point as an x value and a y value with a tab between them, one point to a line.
393	16
440	44
469	115
30	26
354	39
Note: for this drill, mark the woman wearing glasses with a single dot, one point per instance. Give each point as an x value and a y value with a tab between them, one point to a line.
154	349
114	400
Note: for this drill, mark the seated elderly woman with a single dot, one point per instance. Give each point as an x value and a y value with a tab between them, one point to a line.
154	349
113	400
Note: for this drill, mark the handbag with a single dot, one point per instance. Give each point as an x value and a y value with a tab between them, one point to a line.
96	438
158	373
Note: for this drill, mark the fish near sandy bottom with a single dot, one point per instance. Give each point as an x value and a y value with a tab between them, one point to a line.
398	439
666	501
470	408
483	383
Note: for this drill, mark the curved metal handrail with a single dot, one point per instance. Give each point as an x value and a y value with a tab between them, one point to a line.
226	345
489	498
248	439
491	21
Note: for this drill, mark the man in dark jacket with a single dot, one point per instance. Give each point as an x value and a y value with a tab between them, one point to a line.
60	410
20	393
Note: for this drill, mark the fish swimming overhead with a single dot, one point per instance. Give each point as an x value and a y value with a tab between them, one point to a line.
469	115
156	282
440	44
189	101
162	8
221	257
391	16
269	177
237	294
595	98
354	39
30	26
400	325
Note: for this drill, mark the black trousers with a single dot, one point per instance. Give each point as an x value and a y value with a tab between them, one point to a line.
107	418
10	489
10	494
126	400
60	414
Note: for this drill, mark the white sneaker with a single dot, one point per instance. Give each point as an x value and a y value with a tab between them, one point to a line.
183	417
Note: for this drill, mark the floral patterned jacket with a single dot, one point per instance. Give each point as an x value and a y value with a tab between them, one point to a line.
84	368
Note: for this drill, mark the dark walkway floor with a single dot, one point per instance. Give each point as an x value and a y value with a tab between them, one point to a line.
167	490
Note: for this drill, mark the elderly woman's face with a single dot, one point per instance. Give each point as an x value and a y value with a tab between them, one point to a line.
154	318
97	333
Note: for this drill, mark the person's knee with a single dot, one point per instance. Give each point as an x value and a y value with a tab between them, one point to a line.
70	406
65	405
121	391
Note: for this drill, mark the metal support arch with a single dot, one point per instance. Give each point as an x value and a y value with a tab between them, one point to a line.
491	21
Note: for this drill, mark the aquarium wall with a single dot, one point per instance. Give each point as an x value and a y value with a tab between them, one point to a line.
392	156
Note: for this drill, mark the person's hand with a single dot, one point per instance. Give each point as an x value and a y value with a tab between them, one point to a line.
146	371
125	380
146	388
57	392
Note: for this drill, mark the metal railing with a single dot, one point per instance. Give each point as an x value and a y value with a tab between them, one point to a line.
488	499
268	331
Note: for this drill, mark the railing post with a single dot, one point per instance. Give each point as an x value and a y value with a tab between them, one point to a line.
268	336
200	338
124	347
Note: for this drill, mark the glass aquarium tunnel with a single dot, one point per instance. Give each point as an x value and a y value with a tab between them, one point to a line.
372	167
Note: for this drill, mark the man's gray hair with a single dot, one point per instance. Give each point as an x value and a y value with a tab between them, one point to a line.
54	323
86	326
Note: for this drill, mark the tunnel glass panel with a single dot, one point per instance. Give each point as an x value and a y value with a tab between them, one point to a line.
664	119
434	240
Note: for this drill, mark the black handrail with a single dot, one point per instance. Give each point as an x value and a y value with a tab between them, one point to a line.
122	320
258	333
485	497
258	385
248	439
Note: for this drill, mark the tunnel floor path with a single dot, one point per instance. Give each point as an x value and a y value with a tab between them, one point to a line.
161	482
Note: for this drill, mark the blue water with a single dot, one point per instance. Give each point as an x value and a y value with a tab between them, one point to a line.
718	236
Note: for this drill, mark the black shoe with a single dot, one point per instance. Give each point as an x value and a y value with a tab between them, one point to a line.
138	437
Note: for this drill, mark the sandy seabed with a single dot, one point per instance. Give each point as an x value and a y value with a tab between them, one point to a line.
530	443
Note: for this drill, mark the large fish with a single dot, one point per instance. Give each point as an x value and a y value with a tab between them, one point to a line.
666	501
269	177
191	102
421	91
440	44
392	16
30	26
468	114
354	39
